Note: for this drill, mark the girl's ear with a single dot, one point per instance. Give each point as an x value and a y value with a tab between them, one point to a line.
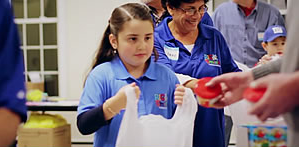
113	41
265	45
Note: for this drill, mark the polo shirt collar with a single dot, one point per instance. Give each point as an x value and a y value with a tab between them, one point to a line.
240	9
122	72
163	29
204	32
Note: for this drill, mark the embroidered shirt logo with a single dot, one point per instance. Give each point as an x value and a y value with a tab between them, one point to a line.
161	100
212	59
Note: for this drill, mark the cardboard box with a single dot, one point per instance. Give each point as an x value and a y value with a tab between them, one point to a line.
45	137
33	86
262	136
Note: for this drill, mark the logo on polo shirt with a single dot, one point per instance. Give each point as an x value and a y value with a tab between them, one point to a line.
161	100
212	59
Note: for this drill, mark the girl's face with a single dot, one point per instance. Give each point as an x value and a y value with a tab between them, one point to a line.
135	43
276	46
186	20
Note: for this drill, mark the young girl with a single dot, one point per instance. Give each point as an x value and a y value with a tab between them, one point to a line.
123	59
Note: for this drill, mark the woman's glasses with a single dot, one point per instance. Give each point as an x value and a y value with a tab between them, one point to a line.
192	11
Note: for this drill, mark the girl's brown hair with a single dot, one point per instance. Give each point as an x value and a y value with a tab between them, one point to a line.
119	16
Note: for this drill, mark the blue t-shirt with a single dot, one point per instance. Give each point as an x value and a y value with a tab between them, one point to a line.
157	87
244	34
12	85
210	57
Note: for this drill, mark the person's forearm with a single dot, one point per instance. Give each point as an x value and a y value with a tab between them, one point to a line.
295	84
271	67
10	122
295	79
183	79
92	120
112	107
291	53
191	84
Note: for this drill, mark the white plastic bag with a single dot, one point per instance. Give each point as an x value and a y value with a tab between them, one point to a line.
155	130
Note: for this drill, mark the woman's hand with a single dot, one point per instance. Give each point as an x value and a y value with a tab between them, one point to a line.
191	84
179	94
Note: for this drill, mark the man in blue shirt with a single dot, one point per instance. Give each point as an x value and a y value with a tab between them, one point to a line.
12	88
243	23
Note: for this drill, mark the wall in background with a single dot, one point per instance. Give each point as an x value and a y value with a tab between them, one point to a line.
85	22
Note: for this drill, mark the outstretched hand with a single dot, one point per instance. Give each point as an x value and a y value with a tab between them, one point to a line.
233	85
281	95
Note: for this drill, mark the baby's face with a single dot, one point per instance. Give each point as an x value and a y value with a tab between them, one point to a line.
276	46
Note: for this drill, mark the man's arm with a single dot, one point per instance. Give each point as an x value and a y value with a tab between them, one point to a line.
12	87
266	69
291	56
9	124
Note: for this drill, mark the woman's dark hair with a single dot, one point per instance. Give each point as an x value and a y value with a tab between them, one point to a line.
177	3
119	16
165	13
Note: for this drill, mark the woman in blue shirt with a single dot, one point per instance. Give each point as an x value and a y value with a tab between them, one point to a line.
192	48
123	59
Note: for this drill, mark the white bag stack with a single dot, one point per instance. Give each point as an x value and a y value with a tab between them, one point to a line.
155	130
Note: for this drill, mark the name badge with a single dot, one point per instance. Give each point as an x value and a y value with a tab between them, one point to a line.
260	36
171	52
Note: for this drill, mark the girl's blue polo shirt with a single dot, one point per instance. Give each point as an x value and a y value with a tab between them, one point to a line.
210	57
157	87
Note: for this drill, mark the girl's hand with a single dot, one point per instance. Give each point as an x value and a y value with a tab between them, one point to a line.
179	94
121	97
112	106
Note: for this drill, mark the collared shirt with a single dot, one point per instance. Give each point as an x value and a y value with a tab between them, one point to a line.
247	11
12	80
155	16
157	87
243	34
206	19
209	57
